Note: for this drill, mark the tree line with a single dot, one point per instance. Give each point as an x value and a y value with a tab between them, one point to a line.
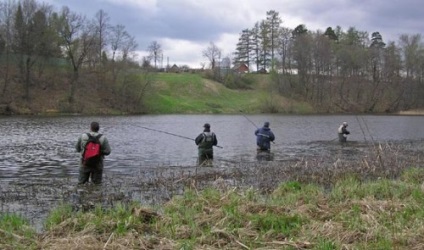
46	52
336	70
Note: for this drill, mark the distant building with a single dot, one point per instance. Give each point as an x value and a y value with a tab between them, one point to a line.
241	68
174	69
262	71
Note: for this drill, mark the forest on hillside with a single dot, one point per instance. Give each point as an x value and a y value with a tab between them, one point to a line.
337	70
62	61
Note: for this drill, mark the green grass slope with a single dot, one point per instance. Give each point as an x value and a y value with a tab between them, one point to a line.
190	93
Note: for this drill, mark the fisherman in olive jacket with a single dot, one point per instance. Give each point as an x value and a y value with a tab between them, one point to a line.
205	142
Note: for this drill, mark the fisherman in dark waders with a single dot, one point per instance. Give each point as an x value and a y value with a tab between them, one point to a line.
264	137
205	142
92	167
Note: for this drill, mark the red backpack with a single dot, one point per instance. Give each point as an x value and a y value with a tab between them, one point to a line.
92	152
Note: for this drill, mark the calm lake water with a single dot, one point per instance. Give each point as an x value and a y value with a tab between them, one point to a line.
39	165
44	146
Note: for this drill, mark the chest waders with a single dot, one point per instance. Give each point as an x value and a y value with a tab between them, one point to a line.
206	149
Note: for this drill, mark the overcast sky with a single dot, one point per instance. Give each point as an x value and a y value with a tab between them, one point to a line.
184	28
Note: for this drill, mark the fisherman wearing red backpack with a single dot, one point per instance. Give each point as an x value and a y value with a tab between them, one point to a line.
93	147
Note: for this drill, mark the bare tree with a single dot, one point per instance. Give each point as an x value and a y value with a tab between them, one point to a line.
213	54
102	30
302	54
411	47
155	52
117	36
284	48
77	40
392	68
122	44
145	63
6	20
321	66
128	48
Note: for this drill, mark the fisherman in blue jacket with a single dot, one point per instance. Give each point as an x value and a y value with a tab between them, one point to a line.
264	137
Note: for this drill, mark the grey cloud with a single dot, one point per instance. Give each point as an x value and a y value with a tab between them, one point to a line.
173	20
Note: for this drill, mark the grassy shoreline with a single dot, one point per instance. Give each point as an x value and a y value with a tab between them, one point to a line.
375	201
353	214
364	205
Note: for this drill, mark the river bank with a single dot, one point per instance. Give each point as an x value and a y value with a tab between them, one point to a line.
188	93
373	202
412	112
168	93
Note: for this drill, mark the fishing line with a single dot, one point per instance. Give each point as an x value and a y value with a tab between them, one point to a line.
249	119
361	127
168	133
257	127
368	130
241	111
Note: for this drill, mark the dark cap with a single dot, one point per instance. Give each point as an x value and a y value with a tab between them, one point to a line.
207	125
94	126
266	124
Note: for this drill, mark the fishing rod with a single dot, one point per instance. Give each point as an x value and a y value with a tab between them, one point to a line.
249	120
168	133
254	125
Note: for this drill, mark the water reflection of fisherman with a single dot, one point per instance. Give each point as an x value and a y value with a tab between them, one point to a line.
205	142
343	132
264	137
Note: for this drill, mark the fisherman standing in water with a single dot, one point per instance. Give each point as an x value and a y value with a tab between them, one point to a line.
264	137
343	132
92	167
205	142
